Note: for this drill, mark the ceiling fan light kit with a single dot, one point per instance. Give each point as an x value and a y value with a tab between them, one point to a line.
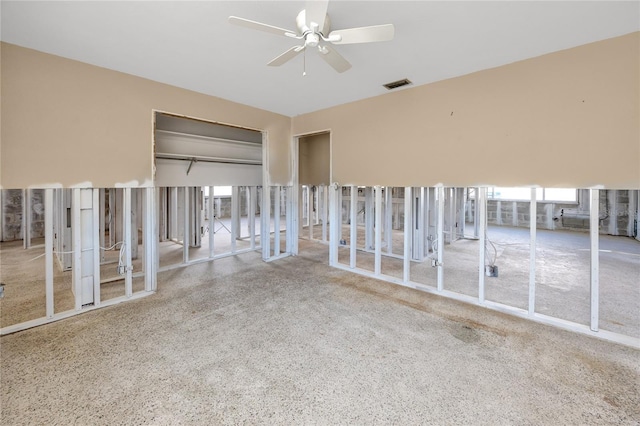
314	28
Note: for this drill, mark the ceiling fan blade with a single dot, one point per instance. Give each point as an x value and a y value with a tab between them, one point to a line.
334	59
316	11
260	26
363	34
286	56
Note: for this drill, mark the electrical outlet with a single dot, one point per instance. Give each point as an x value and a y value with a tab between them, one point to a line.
491	271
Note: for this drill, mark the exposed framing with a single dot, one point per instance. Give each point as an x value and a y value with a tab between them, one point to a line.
481	202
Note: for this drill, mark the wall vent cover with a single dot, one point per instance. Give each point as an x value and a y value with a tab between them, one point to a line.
396	84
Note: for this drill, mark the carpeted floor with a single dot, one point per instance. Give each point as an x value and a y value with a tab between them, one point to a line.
296	342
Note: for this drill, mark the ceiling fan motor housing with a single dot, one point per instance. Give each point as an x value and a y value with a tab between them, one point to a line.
307	28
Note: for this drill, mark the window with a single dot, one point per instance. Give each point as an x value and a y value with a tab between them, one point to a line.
567	195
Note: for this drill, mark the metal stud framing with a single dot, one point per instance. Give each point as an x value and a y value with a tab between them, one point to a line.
408	227
594	231
128	277
482	217
353	243
533	213
48	250
440	232
378	230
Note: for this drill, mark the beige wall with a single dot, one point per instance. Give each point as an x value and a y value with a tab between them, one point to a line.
66	123
567	119
314	159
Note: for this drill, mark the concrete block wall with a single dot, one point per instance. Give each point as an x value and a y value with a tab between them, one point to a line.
11	215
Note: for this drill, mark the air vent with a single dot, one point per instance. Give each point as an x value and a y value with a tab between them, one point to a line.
396	84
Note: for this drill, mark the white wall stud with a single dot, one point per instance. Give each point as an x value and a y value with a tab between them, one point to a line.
533	215
378	230
440	232
96	245
265	217
325	211
353	243
235	216
76	235
482	217
252	216
128	277
150	234
48	250
594	231
388	218
212	222
185	226
408	228
276	219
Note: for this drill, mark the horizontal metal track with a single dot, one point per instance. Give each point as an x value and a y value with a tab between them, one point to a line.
205	159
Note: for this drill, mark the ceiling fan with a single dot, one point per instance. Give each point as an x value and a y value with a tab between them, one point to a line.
314	30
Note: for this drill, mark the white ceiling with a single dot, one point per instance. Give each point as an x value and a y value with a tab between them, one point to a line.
191	44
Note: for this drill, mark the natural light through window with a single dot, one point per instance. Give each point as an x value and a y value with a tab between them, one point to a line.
568	195
218	191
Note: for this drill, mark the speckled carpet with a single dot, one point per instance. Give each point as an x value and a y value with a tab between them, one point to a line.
297	342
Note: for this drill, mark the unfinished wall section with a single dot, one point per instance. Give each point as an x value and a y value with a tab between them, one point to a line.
618	213
12	214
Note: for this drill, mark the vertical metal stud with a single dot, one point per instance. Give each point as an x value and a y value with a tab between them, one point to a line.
310	215
276	219
212	222
151	237
378	230
252	216
128	278
101	213
325	211
334	225
185	226
265	218
594	231
290	246
48	251
235	216
96	246
533	215
353	243
76	235
476	214
408	228
481	206
440	232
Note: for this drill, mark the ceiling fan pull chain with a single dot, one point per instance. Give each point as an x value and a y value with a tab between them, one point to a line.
304	62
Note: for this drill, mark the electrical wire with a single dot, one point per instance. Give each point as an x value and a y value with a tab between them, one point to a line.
120	262
495	251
